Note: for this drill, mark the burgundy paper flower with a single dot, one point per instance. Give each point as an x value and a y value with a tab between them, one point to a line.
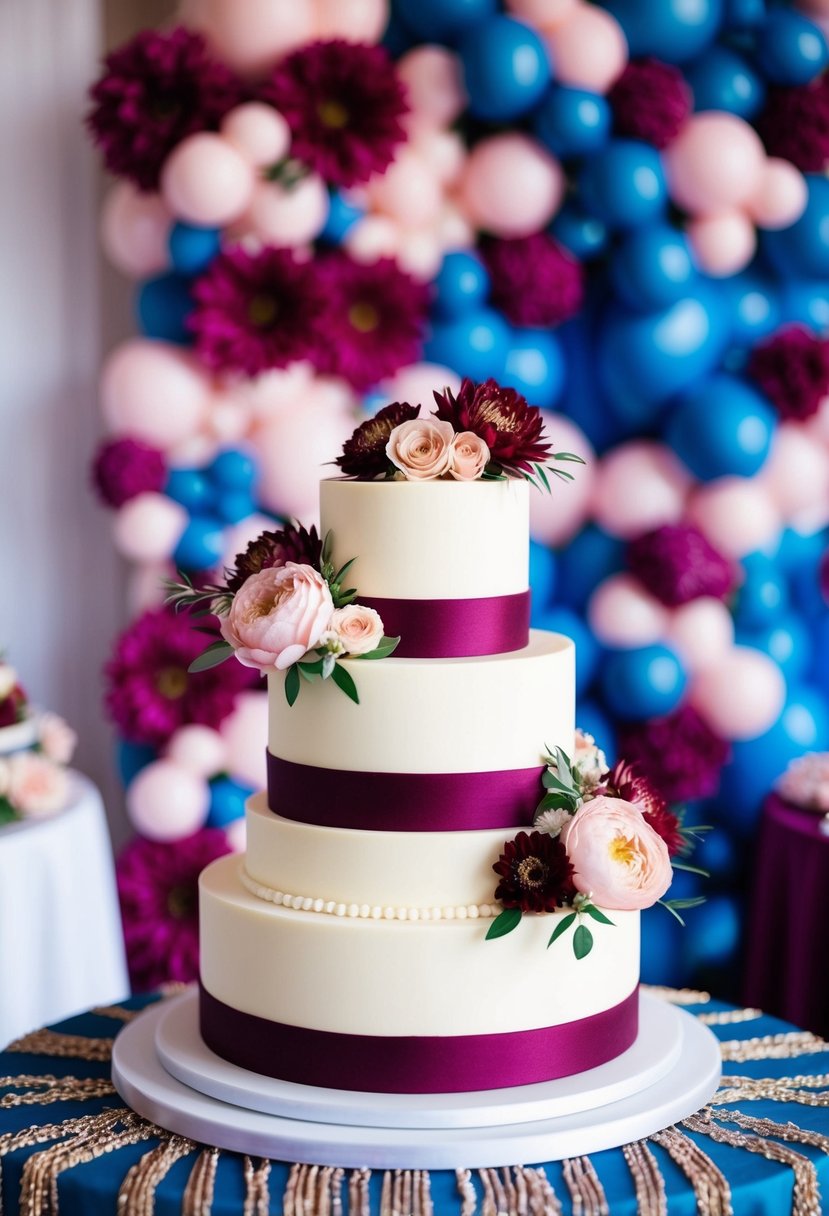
677	563
628	782
124	468
650	101
794	124
150	693
679	754
13	706
159	895
343	102
792	369
535	281
535	873
293	543
154	91
373	321
256	311
512	430
364	454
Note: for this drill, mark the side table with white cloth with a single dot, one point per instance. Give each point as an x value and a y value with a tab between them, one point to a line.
61	946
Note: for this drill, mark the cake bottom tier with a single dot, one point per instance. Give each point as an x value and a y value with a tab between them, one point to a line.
407	1007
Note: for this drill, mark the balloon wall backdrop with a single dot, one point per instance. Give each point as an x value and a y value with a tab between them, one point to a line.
618	209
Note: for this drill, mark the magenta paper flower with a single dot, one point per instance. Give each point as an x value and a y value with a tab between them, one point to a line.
794	124
159	896
792	369
677	563
650	101
154	91
344	103
124	468
679	754
150	693
535	281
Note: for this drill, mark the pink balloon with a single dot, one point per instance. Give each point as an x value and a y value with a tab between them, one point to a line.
374	236
199	749
796	476
453	229
408	191
701	632
252	36
294	450
148	527
724	243
417	383
195	450
818	425
134	231
205	180
420	253
736	514
279	389
153	391
166	802
555	518
288	216
443	151
588	48
640	485
511	185
354	20
781	195
715	163
622	613
228	418
741	695
434	82
258	132
245	735
543	14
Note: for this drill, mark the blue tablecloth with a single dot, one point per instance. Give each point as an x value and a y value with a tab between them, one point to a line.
63	1129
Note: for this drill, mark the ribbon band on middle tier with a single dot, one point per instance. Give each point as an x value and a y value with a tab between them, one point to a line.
455	629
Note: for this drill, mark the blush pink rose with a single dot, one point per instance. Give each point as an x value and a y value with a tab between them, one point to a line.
619	861
421	448
37	787
57	738
358	628
470	456
278	615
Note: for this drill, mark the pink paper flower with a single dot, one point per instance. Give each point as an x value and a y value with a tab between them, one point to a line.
806	782
618	860
277	616
358	628
421	448
470	456
37	787
57	738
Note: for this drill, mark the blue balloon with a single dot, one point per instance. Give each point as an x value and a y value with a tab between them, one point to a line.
505	66
662	940
535	366
791	49
588	653
763	594
800	550
542	576
191	488
744	14
397	39
475	344
232	506
462	284
721	427
572	122
755	307
192	249
583	399
594	721
820	668
588	559
342	215
584	235
806	303
802	250
652	268
227	801
442	20
712	932
717	854
162	306
721	79
624	184
673	30
647	682
201	546
233	470
804	583
787	640
131	757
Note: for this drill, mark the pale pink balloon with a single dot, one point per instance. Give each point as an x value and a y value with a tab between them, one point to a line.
196	449
640	485
715	163
372	237
587	47
148	527
245	735
417	382
622	613
199	749
434	83
258	132
409	191
251	36
555	518
443	151
781	195
511	186
701	632
354	20
279	389
229	417
134	231
420	253
167	802
818	424
741	695
737	515
543	14
724	243
796	475
287	216
153	391
294	450
206	181
453	229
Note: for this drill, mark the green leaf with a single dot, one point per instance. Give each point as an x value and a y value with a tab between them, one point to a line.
562	927
340	575
551	782
597	914
7	812
327	546
291	684
328	664
555	802
673	905
561	475
582	942
386	647
312	668
545	481
212	657
345	682
569	456
682	865
504	923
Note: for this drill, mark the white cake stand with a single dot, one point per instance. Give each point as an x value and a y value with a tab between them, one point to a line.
671	1071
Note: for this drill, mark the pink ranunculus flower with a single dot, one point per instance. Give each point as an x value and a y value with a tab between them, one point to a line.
421	448
619	861
470	456
357	627
57	738
37	787
277	616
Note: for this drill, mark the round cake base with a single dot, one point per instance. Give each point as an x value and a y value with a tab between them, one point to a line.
440	1132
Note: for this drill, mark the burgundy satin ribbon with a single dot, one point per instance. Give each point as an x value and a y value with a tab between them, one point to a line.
412	1065
453	629
403	802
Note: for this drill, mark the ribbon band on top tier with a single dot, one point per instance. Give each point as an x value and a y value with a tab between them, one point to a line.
408	1064
455	629
403	802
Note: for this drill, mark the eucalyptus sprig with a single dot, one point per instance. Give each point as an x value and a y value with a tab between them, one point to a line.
326	666
561	783
539	478
182	594
334	577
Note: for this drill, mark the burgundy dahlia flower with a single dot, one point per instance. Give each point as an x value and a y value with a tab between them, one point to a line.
535	873
344	103
650	101
293	543
535	281
13	706
154	91
124	468
677	563
512	430
794	124
628	782
792	369
364	454
679	754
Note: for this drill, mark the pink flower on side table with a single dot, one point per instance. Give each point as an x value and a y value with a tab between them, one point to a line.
359	629
470	456
619	861
277	616
57	738
37	787
422	448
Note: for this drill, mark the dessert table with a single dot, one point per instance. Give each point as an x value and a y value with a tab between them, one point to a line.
68	1144
61	947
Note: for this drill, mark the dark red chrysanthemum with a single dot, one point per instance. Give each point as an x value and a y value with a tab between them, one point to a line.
627	781
13	707
512	430
158	889
535	873
535	281
794	124
677	563
256	311
344	103
792	369
123	468
650	101
373	321
154	91
364	454
293	543
150	692
679	754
